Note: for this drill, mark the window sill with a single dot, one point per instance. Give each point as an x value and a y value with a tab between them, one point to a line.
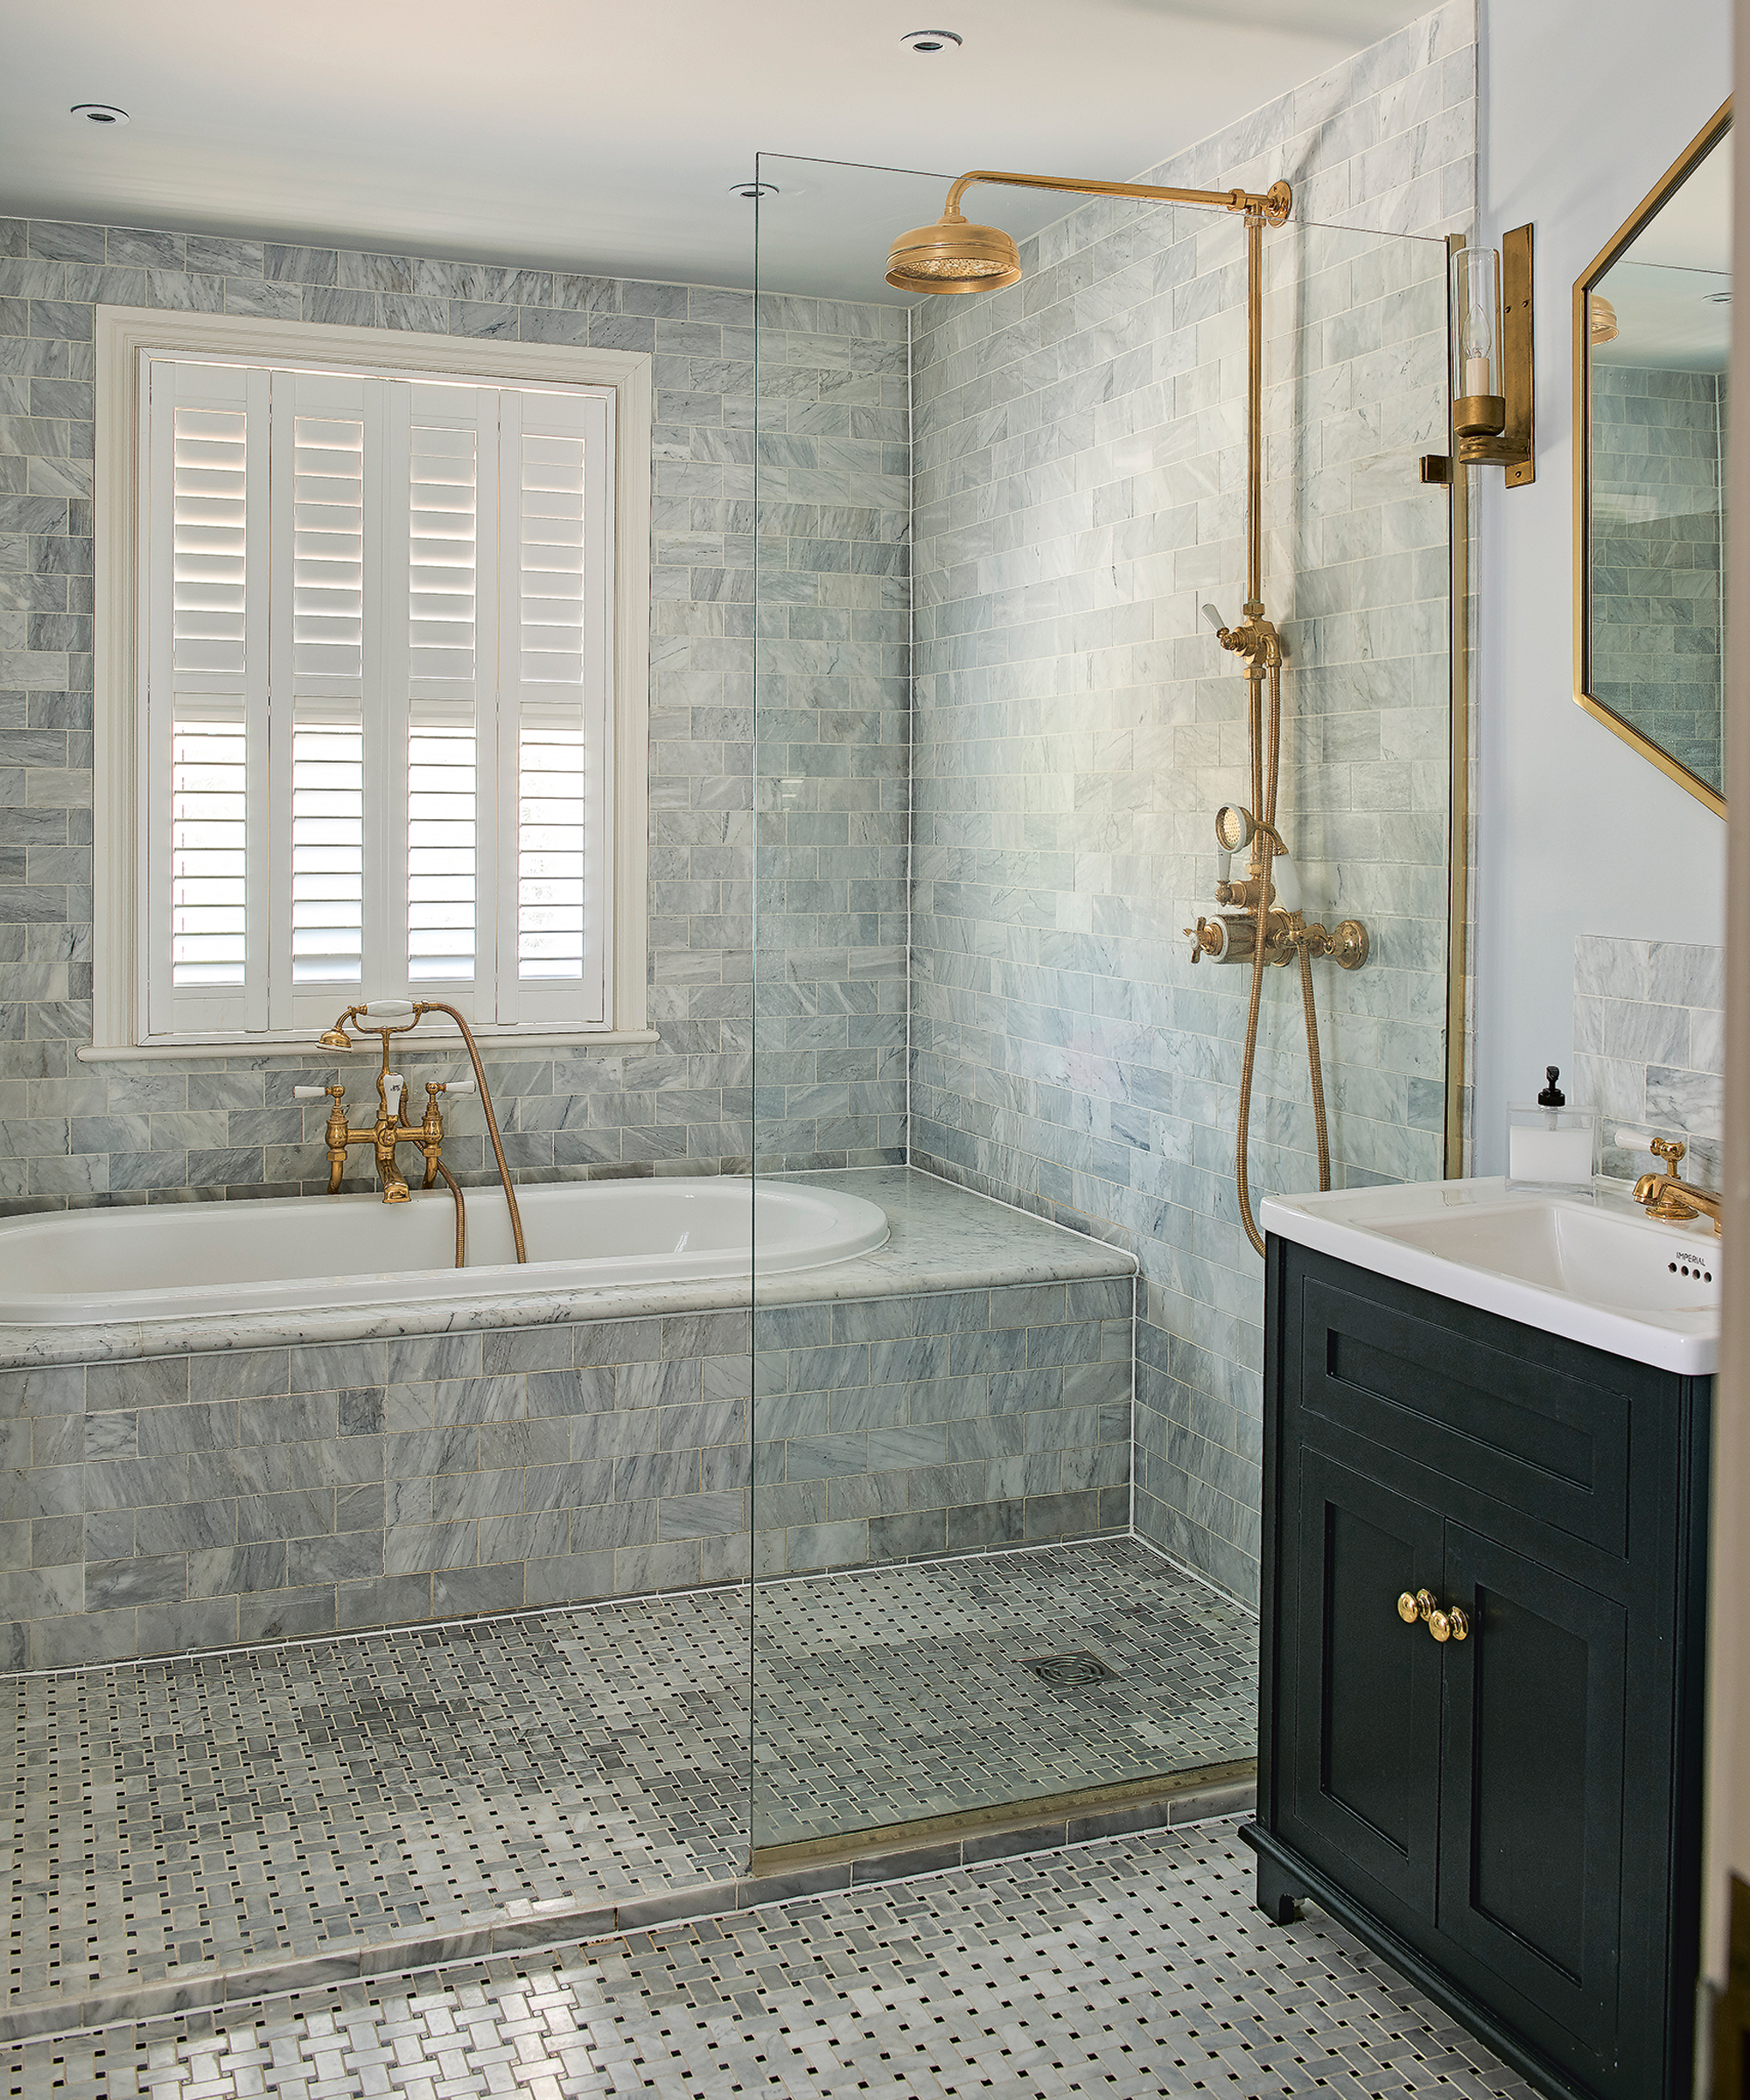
308	1048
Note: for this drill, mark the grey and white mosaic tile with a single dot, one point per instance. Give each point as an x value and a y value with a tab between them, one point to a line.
904	1693
1133	1967
179	1819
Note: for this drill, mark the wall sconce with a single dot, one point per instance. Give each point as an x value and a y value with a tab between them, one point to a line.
1492	377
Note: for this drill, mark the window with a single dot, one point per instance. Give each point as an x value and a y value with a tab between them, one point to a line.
379	742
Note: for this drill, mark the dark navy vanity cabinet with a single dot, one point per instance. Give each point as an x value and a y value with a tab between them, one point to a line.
1511	1818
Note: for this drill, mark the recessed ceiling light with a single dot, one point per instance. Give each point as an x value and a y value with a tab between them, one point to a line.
99	112
753	191
931	40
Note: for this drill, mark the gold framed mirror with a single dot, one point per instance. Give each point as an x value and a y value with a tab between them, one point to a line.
1652	335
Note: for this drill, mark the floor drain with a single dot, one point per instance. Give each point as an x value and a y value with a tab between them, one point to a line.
1065	1673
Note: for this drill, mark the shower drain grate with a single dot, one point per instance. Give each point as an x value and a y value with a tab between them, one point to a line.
1070	1672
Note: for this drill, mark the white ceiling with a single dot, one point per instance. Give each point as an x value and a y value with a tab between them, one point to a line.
1672	287
571	133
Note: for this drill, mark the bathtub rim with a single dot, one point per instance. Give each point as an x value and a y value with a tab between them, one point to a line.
441	1282
926	1251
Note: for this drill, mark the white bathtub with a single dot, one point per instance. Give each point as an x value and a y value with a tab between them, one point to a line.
167	1260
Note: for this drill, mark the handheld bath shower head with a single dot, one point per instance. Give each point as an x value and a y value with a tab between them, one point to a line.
1235	828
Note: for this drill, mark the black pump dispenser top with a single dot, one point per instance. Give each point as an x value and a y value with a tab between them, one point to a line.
1552	1095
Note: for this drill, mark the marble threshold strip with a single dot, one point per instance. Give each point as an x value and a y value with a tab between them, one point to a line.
1185	1797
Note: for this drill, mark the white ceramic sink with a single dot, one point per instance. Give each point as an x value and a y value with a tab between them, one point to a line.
1605	1274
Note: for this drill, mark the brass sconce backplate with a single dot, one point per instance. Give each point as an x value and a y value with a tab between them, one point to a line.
1515	447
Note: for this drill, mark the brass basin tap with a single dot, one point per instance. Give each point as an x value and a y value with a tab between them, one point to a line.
1666	1196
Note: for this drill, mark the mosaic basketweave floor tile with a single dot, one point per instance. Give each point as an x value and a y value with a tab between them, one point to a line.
906	1692
1131	1968
177	1817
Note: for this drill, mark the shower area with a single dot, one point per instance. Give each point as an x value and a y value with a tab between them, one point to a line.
1006	1519
949	1548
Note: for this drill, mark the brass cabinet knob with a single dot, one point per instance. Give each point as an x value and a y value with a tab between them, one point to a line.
1443	1624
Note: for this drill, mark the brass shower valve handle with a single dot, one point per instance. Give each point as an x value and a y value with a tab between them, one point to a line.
1232	937
1256	639
1348	947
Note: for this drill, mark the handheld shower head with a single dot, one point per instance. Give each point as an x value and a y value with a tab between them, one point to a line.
1234	828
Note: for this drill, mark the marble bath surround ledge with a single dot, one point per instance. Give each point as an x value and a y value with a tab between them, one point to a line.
941	1237
968	1388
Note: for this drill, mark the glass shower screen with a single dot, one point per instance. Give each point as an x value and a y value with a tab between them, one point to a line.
1006	1487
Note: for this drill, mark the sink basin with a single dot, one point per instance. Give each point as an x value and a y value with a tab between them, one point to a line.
1604	1274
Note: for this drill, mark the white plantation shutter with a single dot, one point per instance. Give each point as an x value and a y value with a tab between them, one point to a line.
206	743
379	698
450	537
556	582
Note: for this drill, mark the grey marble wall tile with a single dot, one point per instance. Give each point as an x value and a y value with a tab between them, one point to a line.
1073	724
1653	1010
701	754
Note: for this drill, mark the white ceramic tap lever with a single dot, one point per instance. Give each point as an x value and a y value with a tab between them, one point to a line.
460	1086
309	1093
394	1087
387	1010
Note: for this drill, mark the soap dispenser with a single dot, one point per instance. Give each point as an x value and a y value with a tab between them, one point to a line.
1551	1148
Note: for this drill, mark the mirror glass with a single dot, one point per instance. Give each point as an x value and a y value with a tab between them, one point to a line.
1656	316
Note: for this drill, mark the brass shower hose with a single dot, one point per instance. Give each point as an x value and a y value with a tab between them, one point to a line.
1270	769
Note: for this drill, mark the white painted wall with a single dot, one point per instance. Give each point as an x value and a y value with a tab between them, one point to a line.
1728	1778
1581	108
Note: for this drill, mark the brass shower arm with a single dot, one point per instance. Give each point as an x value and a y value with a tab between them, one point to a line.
1272	207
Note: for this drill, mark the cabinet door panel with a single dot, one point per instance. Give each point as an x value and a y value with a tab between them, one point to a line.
1548	1440
1532	1784
1364	1688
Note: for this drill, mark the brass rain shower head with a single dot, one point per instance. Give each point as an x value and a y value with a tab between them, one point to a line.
954	255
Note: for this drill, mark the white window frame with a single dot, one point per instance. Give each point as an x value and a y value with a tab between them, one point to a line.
121	333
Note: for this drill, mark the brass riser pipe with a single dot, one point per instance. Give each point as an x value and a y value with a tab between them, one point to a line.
1266	767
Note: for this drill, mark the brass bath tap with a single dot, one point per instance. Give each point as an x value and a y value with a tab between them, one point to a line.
387	1018
388	1131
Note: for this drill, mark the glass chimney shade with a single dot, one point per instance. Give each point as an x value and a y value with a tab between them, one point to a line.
1479	405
